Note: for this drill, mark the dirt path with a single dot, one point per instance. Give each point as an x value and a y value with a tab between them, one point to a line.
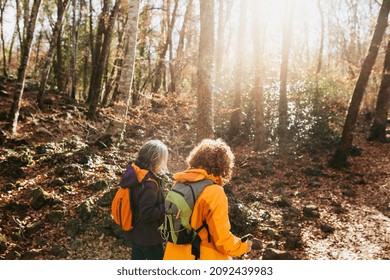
362	232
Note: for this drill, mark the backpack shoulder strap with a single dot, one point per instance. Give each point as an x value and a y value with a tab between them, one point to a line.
196	188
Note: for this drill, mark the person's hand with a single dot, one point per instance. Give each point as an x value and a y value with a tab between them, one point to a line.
249	243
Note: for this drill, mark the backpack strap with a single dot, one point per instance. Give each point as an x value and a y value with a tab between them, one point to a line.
195	248
196	190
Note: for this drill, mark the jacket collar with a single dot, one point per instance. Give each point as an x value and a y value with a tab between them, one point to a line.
195	175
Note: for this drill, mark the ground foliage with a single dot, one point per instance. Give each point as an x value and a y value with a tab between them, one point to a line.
57	182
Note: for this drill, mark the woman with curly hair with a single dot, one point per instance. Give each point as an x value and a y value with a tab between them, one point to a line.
210	160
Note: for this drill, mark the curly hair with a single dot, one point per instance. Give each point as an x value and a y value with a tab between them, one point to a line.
214	156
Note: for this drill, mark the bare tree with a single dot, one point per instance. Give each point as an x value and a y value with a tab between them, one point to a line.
3	4
235	118
258	31
116	129
205	115
61	8
96	80
177	66
165	44
286	34
26	48
378	127
340	157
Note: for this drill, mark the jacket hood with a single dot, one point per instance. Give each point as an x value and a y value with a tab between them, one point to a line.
133	176
195	175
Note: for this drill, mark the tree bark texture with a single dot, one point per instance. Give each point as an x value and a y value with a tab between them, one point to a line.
205	107
117	126
2	8
61	8
340	157
96	81
378	127
26	48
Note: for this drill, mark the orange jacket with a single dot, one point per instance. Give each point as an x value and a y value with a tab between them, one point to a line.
212	207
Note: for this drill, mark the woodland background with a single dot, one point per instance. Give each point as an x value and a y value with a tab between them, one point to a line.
299	89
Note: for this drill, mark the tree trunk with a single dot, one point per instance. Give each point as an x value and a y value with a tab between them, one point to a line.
11	47
319	61
75	38
161	67
172	87
205	109
96	84
38	43
220	43
116	129
2	8
321	49
113	80
258	48
378	127
18	16
235	119
283	106
340	157
59	66
91	40
15	107
178	65
97	49
61	8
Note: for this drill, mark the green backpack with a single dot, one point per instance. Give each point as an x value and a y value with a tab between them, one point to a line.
179	204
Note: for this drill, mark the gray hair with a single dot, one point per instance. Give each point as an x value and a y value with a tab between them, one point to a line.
153	155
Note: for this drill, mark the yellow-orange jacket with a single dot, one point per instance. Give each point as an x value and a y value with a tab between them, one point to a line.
212	207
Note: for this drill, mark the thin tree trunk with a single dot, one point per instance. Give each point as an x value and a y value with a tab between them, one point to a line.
97	50
18	16
205	109
220	43
321	49
91	40
59	69
283	112
378	127
178	65
114	71
96	85
117	127
73	57
319	61
161	67
61	8
235	119
2	8
37	52
11	48
15	108
340	157
258	48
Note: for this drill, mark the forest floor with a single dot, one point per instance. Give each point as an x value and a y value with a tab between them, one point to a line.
57	182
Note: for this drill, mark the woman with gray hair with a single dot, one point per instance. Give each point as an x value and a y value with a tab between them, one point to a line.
147	200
